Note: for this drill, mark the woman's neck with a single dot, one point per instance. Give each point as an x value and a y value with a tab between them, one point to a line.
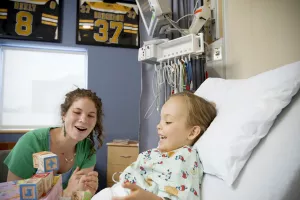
61	142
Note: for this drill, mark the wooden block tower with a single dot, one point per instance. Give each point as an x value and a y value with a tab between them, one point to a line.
32	189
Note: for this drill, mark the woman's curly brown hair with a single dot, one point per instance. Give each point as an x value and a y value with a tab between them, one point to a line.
83	93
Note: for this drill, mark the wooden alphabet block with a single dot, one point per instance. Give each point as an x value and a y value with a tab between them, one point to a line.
56	191
47	179
45	161
81	195
31	189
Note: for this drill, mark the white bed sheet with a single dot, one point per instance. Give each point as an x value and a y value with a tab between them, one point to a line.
273	170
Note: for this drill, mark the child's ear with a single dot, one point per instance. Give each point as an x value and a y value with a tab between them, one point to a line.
196	130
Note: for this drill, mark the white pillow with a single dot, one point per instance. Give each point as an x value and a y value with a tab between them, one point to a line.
246	109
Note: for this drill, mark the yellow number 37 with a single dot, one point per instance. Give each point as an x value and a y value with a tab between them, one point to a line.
103	25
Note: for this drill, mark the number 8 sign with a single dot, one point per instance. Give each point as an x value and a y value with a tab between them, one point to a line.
30	20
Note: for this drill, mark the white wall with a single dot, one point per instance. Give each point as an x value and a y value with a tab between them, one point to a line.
260	35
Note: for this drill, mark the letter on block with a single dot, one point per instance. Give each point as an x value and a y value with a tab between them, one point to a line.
47	179
45	161
81	195
31	189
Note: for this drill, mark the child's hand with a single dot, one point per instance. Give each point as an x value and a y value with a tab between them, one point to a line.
137	193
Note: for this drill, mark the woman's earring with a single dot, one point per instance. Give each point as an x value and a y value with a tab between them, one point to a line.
64	127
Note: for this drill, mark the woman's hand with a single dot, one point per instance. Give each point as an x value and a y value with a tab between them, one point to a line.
76	183
91	181
137	193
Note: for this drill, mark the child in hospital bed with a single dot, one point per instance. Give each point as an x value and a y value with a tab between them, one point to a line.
173	169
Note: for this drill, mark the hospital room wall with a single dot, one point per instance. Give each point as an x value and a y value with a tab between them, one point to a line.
114	74
260	35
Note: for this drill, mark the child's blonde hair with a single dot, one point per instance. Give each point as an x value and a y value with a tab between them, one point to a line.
200	112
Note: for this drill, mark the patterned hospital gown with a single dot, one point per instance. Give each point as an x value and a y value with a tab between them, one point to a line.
175	175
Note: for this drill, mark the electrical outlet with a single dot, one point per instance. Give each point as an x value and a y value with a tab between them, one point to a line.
215	64
217	53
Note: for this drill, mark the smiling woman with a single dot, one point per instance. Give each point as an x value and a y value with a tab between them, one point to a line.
73	143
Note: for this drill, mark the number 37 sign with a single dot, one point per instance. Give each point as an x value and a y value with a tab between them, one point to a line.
108	24
31	20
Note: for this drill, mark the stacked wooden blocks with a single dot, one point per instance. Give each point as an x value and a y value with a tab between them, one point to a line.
43	185
39	184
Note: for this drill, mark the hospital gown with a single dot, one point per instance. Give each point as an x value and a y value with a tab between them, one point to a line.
175	175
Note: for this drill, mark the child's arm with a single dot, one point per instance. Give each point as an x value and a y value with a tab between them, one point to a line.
138	193
129	174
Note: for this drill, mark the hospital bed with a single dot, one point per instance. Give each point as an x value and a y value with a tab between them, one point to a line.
273	170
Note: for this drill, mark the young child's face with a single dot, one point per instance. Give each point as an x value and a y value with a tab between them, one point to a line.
172	128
